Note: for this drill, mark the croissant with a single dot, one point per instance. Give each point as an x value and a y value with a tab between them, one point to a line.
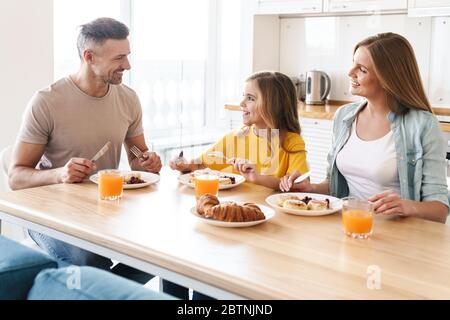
205	202
233	212
210	207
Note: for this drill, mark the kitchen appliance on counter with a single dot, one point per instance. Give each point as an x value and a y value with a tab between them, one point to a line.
299	83
318	86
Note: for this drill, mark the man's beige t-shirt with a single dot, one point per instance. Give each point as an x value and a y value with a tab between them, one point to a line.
73	124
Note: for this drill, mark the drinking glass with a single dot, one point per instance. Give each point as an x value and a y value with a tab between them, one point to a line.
357	217
206	183
110	184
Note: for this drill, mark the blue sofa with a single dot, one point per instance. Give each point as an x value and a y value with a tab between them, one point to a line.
29	274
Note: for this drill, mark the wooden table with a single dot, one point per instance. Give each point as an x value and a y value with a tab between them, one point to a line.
289	257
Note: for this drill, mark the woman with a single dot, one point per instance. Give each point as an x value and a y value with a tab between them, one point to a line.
388	149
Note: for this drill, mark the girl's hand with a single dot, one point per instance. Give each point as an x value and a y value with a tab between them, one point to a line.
287	183
180	164
389	203
246	169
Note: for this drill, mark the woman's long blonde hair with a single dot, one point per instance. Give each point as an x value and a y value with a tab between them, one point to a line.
278	103
396	68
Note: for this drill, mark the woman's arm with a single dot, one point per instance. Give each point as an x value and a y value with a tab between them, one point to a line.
433	204
389	203
430	210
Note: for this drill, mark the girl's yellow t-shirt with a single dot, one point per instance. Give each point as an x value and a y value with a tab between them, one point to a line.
270	159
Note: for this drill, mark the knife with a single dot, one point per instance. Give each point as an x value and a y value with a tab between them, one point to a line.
302	177
102	151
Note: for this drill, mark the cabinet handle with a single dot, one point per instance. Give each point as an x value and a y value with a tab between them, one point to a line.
308	9
336	6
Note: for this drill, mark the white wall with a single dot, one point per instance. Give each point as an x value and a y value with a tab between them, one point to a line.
326	43
26	55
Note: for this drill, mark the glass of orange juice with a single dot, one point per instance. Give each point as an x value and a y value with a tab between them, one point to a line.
206	183
357	217
110	184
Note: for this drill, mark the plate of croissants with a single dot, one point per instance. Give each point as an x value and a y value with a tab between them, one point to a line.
230	214
305	204
226	180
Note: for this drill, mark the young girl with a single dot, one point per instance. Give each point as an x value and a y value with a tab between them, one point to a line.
388	149
269	144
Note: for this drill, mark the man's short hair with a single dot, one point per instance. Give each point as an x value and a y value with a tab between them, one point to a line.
100	30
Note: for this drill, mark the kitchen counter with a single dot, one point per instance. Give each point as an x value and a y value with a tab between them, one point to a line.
326	112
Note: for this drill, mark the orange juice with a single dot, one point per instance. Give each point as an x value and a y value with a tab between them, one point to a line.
206	183
110	184
357	218
357	221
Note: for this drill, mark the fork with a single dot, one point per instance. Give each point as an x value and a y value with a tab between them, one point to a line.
136	151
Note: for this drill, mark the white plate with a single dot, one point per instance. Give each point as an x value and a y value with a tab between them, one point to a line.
184	179
149	178
268	212
335	204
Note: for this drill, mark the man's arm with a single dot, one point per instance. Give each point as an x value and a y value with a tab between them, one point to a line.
22	172
149	162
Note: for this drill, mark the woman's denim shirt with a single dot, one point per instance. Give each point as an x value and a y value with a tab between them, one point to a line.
420	148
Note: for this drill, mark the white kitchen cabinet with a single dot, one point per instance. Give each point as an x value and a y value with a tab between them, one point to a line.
438	85
364	5
289	6
318	137
428	8
428	3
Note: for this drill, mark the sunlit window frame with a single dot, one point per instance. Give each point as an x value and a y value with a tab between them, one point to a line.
213	122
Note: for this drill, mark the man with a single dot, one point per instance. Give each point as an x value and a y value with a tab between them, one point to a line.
67	123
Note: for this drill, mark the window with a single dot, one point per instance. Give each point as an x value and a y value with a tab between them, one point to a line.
228	73
185	58
68	16
169	63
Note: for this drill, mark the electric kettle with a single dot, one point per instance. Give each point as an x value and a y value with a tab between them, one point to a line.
318	85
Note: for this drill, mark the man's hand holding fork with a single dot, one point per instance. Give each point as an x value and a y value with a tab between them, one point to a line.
148	160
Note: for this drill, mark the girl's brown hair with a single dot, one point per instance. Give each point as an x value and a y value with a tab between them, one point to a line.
396	68
278	103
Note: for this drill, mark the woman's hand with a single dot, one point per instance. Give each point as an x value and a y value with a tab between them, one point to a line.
246	169
287	183
391	204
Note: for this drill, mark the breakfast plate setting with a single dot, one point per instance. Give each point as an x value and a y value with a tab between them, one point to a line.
226	180
305	204
134	179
